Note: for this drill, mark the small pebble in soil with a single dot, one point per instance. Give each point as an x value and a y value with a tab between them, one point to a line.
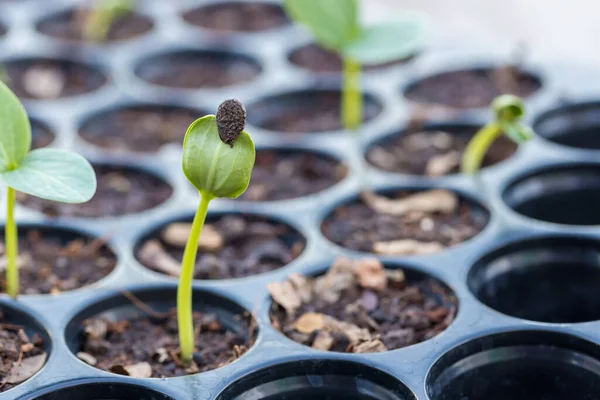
46	79
121	191
472	88
231	246
141	128
22	355
435	152
281	175
405	222
358	306
148	346
55	261
238	17
69	25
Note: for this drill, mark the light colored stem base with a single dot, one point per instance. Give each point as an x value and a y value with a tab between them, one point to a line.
12	246
352	100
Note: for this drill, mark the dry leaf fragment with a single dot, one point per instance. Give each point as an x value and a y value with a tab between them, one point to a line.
406	247
139	370
43	82
310	322
442	164
303	287
161	355
28	367
284	294
153	254
338	278
371	346
323	341
371	274
87	358
436	200
177	234
353	333
96	328
395	275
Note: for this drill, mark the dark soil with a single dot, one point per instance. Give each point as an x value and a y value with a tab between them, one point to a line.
358	227
280	175
247	246
41	135
411	152
15	345
310	111
238	17
77	78
154	339
55	263
69	25
3	30
120	191
139	128
318	59
472	88
193	70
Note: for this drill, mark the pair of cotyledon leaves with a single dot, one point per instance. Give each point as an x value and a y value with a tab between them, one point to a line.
336	26
51	174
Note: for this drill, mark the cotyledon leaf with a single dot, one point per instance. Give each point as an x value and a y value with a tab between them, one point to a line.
15	130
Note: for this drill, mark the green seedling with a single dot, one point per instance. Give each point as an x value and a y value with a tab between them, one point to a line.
218	157
508	112
50	174
102	17
335	25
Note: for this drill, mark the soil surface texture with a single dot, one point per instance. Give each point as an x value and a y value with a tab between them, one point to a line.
238	17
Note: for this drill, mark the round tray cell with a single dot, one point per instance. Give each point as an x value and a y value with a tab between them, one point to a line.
135	333
405	221
305	111
23	338
69	25
317	59
518	365
48	79
139	128
472	88
548	280
41	134
192	69
231	246
318	379
56	260
568	195
575	125
237	16
432	150
287	174
358	306
98	391
121	190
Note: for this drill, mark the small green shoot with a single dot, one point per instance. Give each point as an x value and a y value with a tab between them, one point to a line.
218	157
102	17
508	112
50	174
335	25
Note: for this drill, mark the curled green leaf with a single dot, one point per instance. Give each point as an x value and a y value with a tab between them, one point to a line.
508	107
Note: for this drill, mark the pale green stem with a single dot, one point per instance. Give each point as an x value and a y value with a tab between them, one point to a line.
478	147
352	101
184	291
12	246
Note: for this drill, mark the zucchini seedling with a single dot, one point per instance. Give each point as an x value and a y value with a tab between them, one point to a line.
508	111
51	174
218	157
102	16
335	25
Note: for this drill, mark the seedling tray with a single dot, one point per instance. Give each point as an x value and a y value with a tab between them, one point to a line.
504	316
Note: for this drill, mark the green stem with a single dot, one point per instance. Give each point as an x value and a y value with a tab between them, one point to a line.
478	147
12	246
352	101
184	291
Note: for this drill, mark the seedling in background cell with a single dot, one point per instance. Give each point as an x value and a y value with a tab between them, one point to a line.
218	157
508	111
50	174
102	17
336	26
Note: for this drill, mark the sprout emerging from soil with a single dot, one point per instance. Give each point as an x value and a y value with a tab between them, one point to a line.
102	17
508	111
218	157
335	25
50	174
